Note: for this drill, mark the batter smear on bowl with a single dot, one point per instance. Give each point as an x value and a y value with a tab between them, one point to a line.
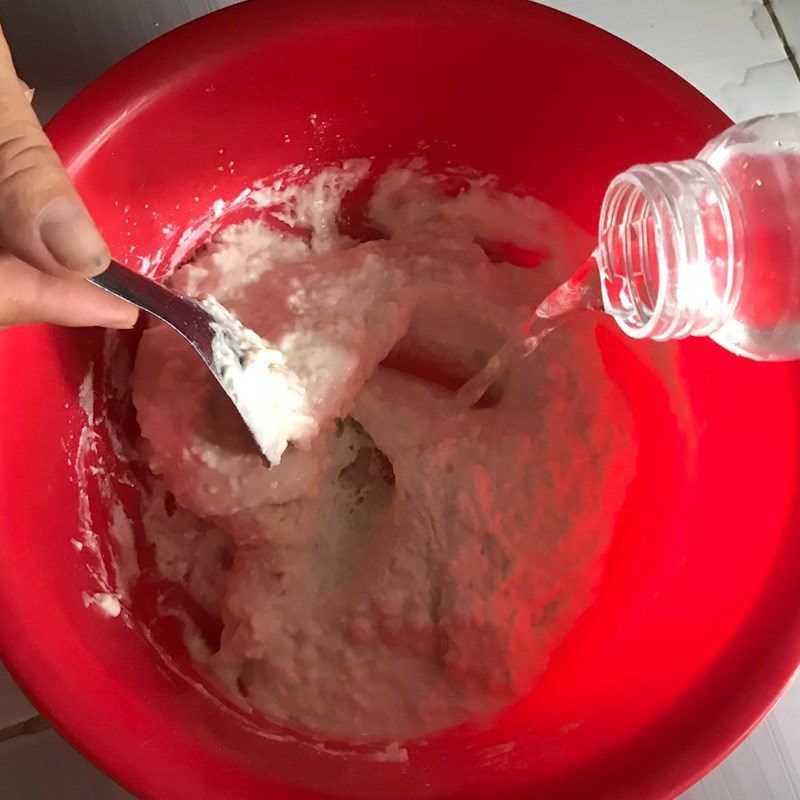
401	568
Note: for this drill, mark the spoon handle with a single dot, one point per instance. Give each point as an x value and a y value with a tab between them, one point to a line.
181	312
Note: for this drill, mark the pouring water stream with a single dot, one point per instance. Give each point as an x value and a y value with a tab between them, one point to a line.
580	293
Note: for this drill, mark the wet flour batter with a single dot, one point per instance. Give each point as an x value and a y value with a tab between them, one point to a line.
402	568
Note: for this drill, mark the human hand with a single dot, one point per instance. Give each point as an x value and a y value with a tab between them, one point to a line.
48	242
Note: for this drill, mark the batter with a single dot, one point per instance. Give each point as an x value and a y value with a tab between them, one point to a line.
401	568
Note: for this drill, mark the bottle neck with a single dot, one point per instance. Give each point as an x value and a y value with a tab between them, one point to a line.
668	252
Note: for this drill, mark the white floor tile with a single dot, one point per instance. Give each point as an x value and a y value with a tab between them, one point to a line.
14	706
43	766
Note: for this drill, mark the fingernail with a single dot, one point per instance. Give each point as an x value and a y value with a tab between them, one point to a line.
122	318
29	93
71	237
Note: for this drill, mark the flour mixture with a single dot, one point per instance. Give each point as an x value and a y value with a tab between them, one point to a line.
402	569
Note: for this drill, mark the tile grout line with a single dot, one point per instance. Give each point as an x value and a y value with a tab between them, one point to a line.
787	48
24	728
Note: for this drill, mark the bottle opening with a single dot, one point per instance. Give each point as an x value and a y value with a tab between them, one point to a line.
666	251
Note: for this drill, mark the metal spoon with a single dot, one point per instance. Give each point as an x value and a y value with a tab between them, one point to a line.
187	316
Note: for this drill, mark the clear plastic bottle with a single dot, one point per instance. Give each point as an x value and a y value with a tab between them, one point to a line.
710	246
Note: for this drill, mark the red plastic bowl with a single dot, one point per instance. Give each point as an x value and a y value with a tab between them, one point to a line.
696	626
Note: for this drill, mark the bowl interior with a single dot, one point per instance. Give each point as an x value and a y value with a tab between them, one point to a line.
680	654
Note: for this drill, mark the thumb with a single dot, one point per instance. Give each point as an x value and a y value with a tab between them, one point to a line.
42	219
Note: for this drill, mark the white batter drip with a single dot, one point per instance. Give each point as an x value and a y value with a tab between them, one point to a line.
402	569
